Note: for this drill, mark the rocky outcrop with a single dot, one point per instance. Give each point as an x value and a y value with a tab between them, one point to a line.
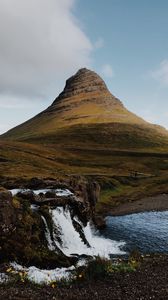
22	235
85	96
85	195
7	213
84	82
87	192
22	229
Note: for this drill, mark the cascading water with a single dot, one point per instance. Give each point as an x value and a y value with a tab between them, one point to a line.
71	242
48	235
68	239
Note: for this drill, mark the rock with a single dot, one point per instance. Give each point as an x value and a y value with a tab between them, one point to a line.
35	183
28	195
93	192
84	81
50	194
23	236
99	222
7	214
22	229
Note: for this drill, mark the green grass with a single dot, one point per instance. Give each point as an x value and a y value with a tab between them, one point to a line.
129	190
98	268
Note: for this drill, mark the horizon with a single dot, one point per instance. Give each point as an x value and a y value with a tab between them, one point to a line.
125	43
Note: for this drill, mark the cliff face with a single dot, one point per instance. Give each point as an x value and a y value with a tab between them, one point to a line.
84	99
7	214
29	236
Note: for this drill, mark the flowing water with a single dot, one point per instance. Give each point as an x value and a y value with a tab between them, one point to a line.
146	232
58	192
71	242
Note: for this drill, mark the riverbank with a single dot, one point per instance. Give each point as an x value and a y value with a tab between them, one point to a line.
149	281
153	203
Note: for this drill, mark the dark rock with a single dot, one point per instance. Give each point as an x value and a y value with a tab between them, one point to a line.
99	222
22	229
79	229
29	195
7	214
35	183
50	194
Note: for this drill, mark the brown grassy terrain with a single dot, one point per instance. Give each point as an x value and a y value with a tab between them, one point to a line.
124	176
122	195
87	131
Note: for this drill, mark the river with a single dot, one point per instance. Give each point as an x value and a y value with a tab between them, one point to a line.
146	232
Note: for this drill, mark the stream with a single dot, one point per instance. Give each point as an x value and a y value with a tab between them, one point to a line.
146	232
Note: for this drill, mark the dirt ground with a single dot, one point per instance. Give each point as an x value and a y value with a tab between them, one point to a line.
150	281
153	203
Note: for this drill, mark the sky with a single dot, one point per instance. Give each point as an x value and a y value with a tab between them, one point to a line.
43	42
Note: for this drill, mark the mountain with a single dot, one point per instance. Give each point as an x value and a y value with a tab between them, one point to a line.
85	104
87	127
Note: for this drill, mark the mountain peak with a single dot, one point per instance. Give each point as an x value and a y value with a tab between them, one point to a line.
84	81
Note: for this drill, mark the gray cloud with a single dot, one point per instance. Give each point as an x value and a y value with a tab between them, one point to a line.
41	42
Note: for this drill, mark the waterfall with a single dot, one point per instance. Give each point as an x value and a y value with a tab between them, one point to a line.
48	235
69	238
71	242
66	237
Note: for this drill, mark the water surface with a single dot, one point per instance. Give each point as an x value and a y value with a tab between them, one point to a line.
146	232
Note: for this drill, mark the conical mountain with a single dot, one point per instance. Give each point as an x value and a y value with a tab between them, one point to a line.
86	115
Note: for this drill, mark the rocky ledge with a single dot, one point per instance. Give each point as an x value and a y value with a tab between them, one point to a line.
22	229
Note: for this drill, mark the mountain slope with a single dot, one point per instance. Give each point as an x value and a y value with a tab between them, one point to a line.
86	112
86	130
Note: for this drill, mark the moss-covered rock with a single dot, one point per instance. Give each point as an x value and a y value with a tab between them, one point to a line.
23	236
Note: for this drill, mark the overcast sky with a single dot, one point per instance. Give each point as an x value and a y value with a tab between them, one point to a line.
43	42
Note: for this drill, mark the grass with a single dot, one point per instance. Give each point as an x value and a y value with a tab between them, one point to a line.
99	268
109	153
96	268
130	190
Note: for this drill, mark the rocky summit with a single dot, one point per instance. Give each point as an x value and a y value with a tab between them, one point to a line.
84	100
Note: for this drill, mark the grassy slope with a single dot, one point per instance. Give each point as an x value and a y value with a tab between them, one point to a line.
91	140
82	111
112	169
118	190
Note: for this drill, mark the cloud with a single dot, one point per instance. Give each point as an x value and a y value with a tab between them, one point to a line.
41	42
161	74
107	70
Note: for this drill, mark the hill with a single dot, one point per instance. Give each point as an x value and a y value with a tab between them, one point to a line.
87	130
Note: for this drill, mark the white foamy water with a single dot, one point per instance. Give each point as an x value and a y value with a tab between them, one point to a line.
69	243
58	192
48	235
72	242
3	278
39	276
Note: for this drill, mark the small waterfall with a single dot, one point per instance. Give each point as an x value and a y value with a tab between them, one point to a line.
69	236
48	235
71	242
84	240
